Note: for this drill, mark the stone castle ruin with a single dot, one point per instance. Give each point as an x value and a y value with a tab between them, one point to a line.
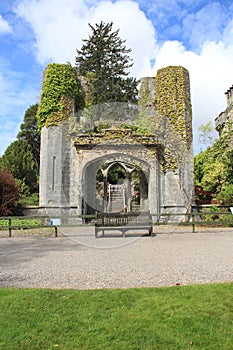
225	119
122	157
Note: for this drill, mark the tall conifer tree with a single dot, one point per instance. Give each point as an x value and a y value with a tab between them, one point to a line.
29	132
105	62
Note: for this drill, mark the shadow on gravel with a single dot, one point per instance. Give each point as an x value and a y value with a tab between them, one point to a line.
14	251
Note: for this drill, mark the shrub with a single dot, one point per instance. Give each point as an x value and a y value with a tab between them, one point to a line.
226	196
202	196
8	193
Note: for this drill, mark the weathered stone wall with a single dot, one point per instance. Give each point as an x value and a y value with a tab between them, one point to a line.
69	161
58	173
225	118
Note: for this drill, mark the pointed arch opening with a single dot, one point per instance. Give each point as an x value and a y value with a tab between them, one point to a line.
121	186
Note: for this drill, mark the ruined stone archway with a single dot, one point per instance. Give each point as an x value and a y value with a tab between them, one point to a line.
121	186
158	138
99	188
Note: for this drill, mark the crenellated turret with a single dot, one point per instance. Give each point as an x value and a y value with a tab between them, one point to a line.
229	96
221	122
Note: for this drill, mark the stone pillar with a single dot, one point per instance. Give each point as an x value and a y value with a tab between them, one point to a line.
128	191
51	164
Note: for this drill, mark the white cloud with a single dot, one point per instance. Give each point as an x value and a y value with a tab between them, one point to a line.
209	76
4	26
204	25
209	73
60	26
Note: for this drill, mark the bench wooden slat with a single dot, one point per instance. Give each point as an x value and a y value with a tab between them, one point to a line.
123	222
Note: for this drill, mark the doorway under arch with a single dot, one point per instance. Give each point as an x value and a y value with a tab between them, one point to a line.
121	187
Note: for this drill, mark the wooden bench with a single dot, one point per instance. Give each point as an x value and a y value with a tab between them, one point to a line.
123	222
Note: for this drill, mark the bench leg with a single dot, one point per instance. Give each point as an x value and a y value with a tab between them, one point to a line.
97	230
151	231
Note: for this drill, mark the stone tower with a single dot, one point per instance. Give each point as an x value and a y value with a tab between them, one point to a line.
225	118
168	97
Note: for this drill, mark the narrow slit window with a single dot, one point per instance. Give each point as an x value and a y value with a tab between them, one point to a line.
53	173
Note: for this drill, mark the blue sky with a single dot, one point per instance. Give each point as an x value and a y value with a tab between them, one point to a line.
195	34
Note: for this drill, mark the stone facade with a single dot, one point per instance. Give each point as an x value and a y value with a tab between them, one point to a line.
161	160
225	117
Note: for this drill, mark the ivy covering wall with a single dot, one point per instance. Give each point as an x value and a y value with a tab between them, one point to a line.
173	99
147	92
61	93
164	106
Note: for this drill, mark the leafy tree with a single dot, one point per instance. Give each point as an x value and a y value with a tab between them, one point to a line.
199	162
8	193
22	157
19	160
226	195
213	168
206	134
29	132
202	196
104	63
216	176
229	166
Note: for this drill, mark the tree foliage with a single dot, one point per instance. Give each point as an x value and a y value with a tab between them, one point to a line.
206	134
8	193
22	157
213	168
226	195
19	160
29	132
104	62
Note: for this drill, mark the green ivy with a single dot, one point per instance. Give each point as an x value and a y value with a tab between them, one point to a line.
173	99
174	113
60	91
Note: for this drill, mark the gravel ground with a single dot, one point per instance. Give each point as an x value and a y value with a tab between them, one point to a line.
75	259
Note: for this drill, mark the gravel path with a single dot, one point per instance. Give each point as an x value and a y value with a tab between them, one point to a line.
76	259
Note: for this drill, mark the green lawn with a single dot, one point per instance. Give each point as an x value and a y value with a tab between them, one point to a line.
20	222
181	317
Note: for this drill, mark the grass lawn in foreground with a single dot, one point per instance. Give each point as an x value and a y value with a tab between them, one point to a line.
180	317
